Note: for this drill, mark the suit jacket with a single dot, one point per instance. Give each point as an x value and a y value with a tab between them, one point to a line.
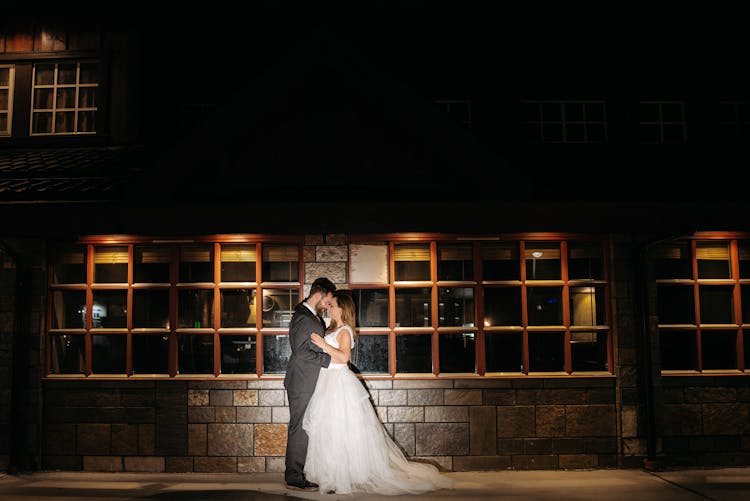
307	359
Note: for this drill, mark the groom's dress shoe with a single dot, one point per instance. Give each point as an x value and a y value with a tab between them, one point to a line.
302	486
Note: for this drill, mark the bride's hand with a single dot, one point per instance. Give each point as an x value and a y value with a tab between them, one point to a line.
318	340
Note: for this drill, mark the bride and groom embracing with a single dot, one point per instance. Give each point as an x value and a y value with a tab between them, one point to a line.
335	441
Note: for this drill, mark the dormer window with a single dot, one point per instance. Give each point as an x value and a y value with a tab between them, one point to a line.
64	98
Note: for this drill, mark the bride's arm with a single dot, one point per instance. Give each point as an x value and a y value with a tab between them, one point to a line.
339	355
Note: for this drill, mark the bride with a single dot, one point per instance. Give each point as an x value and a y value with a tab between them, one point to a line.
349	449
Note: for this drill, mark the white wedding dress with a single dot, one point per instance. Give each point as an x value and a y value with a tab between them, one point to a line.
349	450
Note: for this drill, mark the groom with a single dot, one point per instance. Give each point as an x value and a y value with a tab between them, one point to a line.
301	376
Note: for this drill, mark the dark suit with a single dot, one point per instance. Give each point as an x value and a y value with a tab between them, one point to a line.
301	376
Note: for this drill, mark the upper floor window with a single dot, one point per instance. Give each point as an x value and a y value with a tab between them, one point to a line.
6	99
734	120
460	109
64	98
662	122
565	121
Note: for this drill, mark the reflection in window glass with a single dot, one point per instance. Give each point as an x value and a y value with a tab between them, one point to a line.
110	309
371	306
678	350
719	349
196	263
544	305
108	354
69	266
413	307
151	308
716	304
500	261
238	263
411	262
675	304
150	353
151	264
280	263
238	307
68	354
69	310
504	351
587	306
456	307
589	351
585	261
457	352
370	354
455	262
546	352
195	353
502	306
276	353
542	261
672	261
278	306
237	354
713	260
414	353
195	308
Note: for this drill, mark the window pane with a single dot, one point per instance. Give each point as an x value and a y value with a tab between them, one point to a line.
150	308
66	73
44	74
455	262
502	306
43	99
280	263
108	355
150	354
42	123
713	260
457	352
501	262
744	252
414	353
370	354
110	265
544	305
413	307
68	354
716	305
589	351
238	263
66	97
65	121
411	262
587	306
69	310
86	121
195	353
110	309
276	353
745	305
675	304
89	73
678	350
368	263
69	265
238	307
87	97
195	308
237	354
196	263
546	352
504	351
747	350
719	349
672	261
4	77
456	307
584	261
151	264
371	306
542	261
278	306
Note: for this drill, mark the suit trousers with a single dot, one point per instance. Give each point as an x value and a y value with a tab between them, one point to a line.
296	444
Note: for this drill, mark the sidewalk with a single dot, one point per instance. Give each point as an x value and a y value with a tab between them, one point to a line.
730	484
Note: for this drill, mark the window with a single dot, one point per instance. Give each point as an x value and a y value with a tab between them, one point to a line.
734	121
459	109
662	122
6	99
565	121
64	98
702	292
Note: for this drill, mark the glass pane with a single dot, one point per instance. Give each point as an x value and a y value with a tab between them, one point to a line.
68	354
671	112
66	97
86	97
551	112
150	354
594	112
649	112
745	305
151	264
43	99
674	133
675	304
542	261
3	123
86	121
672	261
371	306
276	353
573	112
69	265
584	261
3	99
238	307
69	310
546	352
195	353
238	263
457	352
89	73
650	133
44	74
589	351
678	350
504	351
412	263
596	133
456	307
368	264
278	306
500	261
413	307
4	77
196	263
195	308
544	305
65	121
502	306
552	132
108	354
587	306
280	263
716	305
713	260
237	354
110	265
414	353
66	73
42	123
744	252
150	309
574	133
455	262
747	350
110	309
719	349
370	354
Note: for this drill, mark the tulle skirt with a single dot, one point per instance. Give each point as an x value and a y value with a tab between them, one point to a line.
349	449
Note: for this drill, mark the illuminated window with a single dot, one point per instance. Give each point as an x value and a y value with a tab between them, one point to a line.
565	121
64	98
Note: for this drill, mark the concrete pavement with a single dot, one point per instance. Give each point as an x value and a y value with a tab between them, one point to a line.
724	484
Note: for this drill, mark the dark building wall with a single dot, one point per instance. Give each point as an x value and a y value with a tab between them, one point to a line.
7	293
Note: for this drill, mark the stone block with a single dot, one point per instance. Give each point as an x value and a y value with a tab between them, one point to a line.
462	397
197	398
417	384
682	419
280	414
538	446
253	414
424	397
215	465
275	464
634	446
726	419
243	398
60	439
499	397
378	384
405	414
481	463
230	440
517	421
405	436
590	420
178	464
509	446
443	463
550	421
314	239
439	439
720	394
124	439
392	397
629	421
93	438
445	414
145	464
336	272
482	383
270	440
597	445
220	397
201	415
308	253
482	430
335	238
600	396
225	414
69	463
102	463
251	465
332	253
578	461
146	439
534	462
271	397
567	445
266	384
197	436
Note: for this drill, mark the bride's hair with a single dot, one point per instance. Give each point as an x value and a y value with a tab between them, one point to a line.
348	312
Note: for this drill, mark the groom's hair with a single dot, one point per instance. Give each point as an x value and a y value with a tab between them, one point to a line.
322	285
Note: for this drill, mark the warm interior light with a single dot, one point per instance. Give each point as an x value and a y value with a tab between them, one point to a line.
537	254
